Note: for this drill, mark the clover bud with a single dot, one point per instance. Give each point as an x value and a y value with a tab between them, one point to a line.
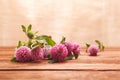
30	35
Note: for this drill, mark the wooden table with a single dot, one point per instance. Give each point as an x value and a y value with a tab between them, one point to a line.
105	66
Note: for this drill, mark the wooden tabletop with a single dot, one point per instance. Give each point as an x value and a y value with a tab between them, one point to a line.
105	66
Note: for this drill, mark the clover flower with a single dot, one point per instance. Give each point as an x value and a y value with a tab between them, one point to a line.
23	54
37	54
59	52
93	50
70	47
46	51
76	49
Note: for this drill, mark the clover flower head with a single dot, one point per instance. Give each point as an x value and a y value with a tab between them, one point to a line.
23	54
70	46
59	52
37	54
46	51
76	49
93	50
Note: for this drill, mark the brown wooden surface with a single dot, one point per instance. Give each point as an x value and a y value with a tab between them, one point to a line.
105	66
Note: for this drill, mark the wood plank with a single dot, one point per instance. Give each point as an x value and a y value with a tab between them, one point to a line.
105	61
105	66
59	75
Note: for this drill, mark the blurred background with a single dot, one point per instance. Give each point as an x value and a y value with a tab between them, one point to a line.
78	20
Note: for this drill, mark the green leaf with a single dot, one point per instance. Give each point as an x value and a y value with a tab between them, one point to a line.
103	47
49	57
24	43
13	60
33	45
98	42
51	61
63	40
41	37
87	45
69	57
100	45
76	56
29	28
41	42
50	41
23	28
19	44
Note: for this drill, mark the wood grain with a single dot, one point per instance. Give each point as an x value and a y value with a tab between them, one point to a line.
59	75
105	66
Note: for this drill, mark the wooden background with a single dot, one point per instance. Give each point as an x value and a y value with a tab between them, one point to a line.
79	20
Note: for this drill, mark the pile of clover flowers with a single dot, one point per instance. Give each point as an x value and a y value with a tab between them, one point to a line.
44	47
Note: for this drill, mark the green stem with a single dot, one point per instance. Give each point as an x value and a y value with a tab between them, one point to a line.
29	43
